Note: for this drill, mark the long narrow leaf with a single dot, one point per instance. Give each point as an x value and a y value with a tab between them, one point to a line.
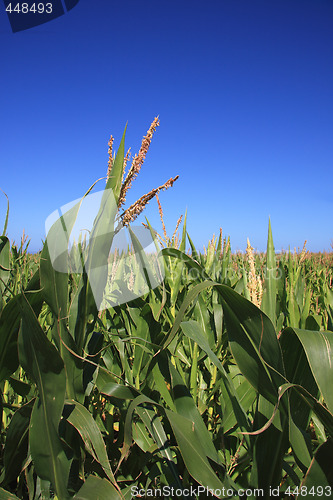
318	348
269	294
9	328
97	488
192	330
253	342
83	421
41	360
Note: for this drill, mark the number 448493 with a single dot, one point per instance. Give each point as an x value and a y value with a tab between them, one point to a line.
35	8
303	491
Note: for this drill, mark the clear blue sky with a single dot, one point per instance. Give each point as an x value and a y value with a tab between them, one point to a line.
244	91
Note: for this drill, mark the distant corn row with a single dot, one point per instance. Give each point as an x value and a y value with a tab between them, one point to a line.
304	279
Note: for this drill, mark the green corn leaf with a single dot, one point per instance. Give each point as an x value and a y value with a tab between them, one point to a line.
140	255
232	412
9	326
4	265
16	448
194	252
54	264
186	407
116	175
54	270
80	418
5	495
318	480
306	307
157	432
301	445
202	316
7	215
192	330
195	460
245	283
118	391
21	388
269	294
186	434
225	262
42	361
253	342
318	348
218	322
140	332
55	293
323	414
294	314
192	294
55	267
141	399
319	429
98	489
182	246
298	371
161	381
54	284
269	447
142	438
192	264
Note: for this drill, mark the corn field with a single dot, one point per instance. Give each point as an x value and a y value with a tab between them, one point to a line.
217	383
